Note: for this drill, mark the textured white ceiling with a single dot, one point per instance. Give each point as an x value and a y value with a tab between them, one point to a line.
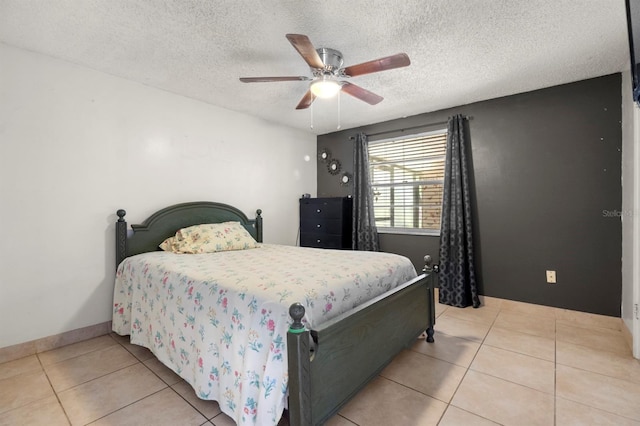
462	51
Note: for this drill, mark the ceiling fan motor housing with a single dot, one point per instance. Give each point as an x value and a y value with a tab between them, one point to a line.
331	58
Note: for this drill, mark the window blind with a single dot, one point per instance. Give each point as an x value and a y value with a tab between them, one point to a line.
407	176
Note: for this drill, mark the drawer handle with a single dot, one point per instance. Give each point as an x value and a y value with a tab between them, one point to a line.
318	225
318	211
318	241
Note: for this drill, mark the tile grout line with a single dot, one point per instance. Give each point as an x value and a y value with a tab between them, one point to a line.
138	361
587	371
125	406
99	377
55	393
555	361
75	356
618	354
448	404
484	342
454	393
515	352
104	375
421	337
170	387
584	404
467	371
53	389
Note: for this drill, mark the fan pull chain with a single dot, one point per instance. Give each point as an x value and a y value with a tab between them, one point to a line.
311	115
339	124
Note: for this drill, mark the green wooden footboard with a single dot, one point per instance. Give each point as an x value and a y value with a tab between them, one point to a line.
330	364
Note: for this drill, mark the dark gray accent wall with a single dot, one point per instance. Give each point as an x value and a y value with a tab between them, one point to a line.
548	193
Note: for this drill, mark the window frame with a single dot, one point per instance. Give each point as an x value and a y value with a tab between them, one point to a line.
412	231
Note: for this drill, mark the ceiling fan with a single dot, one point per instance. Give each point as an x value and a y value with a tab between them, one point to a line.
328	74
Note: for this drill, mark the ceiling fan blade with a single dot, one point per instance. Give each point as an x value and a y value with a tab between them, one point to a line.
382	64
306	100
268	79
304	47
360	93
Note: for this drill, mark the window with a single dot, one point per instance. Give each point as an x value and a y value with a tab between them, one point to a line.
407	176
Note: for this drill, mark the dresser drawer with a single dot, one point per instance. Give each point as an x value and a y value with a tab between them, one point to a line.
321	225
327	210
321	240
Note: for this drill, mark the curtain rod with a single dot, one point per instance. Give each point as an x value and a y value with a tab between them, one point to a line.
407	128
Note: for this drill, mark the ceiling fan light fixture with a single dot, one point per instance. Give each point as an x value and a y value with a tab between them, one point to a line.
325	87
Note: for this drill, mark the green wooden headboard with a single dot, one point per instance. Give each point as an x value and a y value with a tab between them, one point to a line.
165	223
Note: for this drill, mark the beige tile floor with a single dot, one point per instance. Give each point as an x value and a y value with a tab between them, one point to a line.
505	363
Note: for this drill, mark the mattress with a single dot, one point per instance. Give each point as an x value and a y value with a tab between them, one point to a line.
219	320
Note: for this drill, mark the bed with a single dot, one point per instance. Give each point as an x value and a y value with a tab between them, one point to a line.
266	327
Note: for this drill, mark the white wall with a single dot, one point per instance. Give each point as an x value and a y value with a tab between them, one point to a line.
630	209
77	144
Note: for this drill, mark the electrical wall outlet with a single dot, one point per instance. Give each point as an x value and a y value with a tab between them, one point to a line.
551	277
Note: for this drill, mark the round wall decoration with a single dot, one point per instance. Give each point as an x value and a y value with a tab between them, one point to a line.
334	167
345	179
324	155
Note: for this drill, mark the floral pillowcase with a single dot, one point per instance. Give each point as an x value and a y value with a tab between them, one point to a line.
210	238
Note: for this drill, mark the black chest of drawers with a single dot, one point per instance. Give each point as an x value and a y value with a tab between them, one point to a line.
326	222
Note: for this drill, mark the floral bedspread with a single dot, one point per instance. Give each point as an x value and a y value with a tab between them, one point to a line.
220	320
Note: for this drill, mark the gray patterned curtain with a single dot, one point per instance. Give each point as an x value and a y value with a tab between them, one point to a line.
364	232
457	270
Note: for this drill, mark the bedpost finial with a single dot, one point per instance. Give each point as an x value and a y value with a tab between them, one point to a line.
258	225
428	264
296	311
121	214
